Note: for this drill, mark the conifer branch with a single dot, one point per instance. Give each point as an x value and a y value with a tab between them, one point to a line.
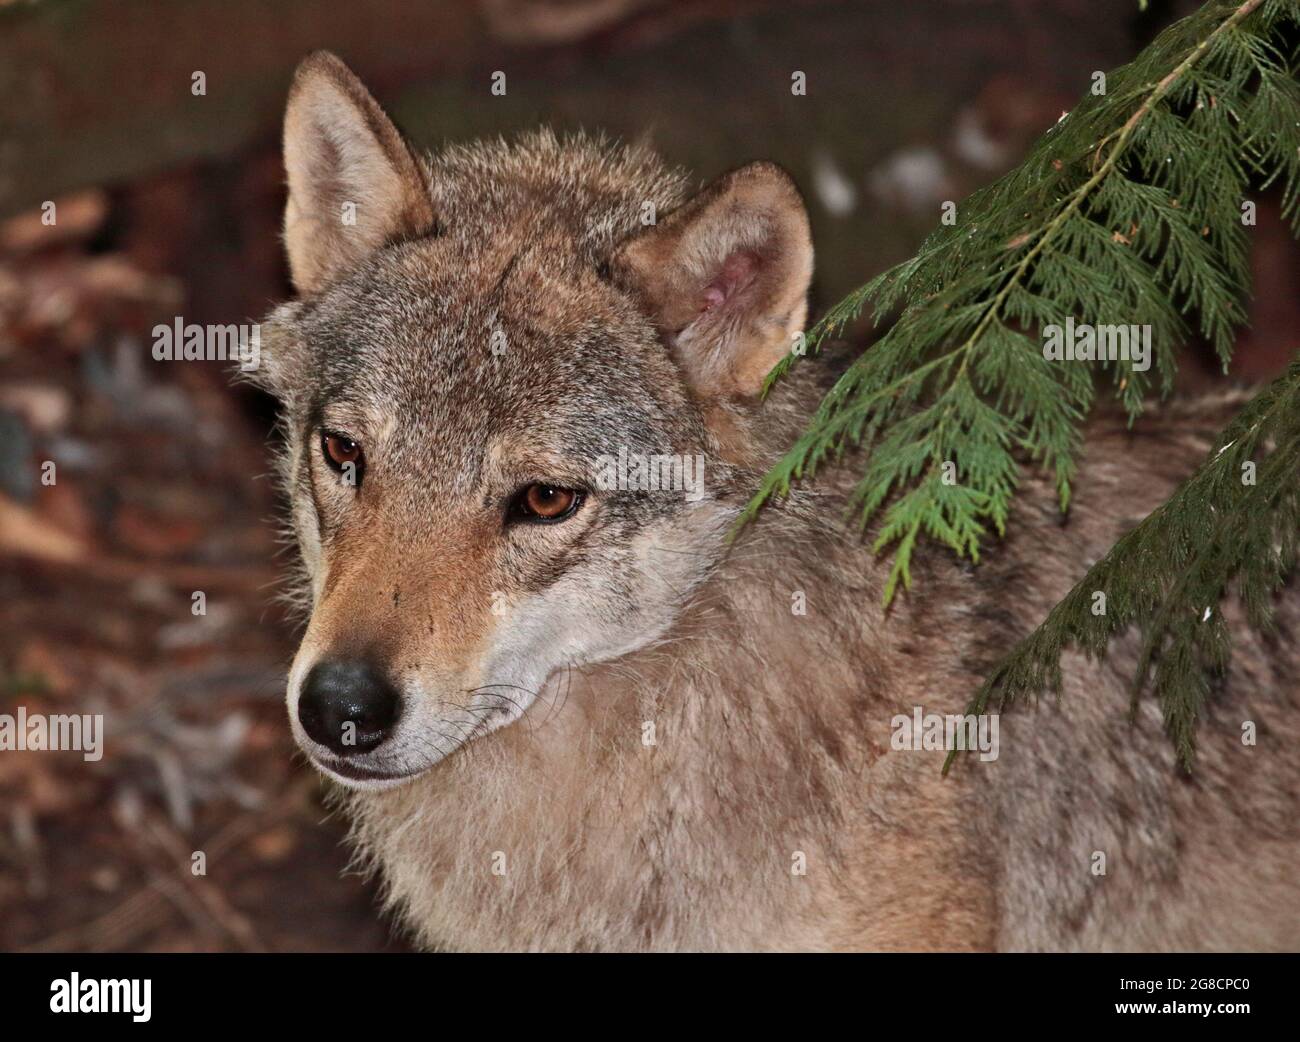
1127	213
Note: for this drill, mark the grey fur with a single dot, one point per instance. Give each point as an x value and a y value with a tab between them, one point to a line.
771	730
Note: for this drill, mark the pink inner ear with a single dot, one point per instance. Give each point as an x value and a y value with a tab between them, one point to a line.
737	272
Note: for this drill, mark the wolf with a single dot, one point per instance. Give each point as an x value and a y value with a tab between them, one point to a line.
571	717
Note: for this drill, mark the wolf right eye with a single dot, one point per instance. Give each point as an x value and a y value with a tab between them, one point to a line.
343	456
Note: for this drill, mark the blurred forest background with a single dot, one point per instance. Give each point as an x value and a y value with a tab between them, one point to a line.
169	204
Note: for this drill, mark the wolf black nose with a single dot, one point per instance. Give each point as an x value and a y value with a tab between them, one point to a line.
347	706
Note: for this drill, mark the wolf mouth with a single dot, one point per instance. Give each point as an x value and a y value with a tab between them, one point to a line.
352	772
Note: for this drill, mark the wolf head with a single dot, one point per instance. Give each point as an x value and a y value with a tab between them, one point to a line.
519	384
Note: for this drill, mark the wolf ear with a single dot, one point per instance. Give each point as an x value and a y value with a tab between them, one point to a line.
354	183
725	277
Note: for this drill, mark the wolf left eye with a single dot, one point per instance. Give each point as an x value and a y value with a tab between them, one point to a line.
544	503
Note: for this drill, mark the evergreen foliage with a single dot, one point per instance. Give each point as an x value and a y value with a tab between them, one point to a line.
1130	211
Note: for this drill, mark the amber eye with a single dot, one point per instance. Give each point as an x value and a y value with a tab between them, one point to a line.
339	451
545	503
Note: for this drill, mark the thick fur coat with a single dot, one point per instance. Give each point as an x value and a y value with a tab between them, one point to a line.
618	731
